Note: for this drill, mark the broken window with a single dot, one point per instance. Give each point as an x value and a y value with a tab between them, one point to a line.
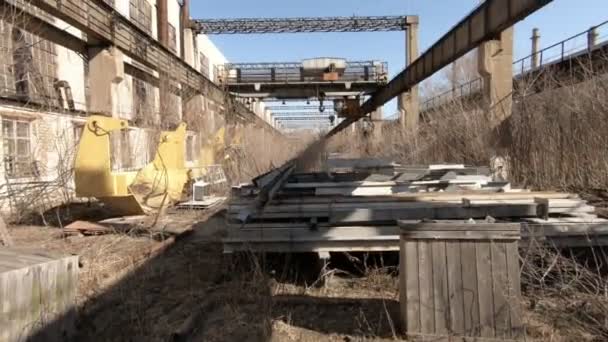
16	140
204	64
140	12
77	129
143	101
190	148
172	38
28	68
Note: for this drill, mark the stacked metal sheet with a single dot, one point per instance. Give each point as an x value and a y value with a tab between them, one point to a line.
358	210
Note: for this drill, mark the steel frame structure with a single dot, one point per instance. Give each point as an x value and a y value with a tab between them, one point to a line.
304	114
484	23
302	118
295	108
300	25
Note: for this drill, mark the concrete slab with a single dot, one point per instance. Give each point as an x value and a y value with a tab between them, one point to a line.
37	295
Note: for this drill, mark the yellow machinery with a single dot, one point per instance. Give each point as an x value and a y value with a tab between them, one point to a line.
129	192
158	184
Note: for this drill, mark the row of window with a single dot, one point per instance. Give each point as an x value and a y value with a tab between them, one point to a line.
19	163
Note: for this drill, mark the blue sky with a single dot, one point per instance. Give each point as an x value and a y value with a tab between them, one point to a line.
558	20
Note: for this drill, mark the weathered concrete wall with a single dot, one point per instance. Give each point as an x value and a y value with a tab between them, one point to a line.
37	296
107	89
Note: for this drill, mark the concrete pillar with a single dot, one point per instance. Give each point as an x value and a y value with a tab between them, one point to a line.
592	36
408	105
495	64
377	114
106	71
188	47
193	107
162	21
184	24
535	48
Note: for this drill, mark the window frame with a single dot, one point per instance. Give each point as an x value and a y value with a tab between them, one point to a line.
12	169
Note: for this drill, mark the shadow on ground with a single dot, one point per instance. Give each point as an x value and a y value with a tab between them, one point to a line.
192	288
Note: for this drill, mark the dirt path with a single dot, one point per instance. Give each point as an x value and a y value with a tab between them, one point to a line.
125	297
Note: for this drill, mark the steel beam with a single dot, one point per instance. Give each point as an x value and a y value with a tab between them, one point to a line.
290	108
484	23
298	25
302	118
304	114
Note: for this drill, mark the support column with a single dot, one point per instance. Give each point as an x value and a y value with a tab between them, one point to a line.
408	102
106	71
592	36
162	21
377	114
535	48
188	47
495	64
184	23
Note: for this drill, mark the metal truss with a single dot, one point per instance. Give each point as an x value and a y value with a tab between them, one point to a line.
298	25
294	108
301	118
304	114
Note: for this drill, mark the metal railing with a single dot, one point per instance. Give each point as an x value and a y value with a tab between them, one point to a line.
467	89
578	45
568	48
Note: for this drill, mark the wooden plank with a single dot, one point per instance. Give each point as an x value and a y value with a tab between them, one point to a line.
502	317
454	197
359	184
445	212
463	235
484	288
456	293
440	287
329	234
408	227
313	246
470	299
514	280
409	287
425	279
363	191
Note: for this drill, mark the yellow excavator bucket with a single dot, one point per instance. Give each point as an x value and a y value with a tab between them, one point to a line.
93	174
156	185
161	182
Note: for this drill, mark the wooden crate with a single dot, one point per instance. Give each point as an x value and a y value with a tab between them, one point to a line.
460	279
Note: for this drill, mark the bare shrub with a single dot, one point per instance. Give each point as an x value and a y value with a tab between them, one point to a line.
555	138
566	291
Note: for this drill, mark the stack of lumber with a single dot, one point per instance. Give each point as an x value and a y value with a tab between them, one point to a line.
352	211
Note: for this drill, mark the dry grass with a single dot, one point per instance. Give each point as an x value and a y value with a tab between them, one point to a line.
555	138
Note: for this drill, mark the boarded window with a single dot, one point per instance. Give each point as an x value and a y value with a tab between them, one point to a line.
28	67
172	38
140	12
143	101
204	64
77	129
16	139
190	148
121	151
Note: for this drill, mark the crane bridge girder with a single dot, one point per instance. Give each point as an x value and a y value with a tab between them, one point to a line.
299	25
